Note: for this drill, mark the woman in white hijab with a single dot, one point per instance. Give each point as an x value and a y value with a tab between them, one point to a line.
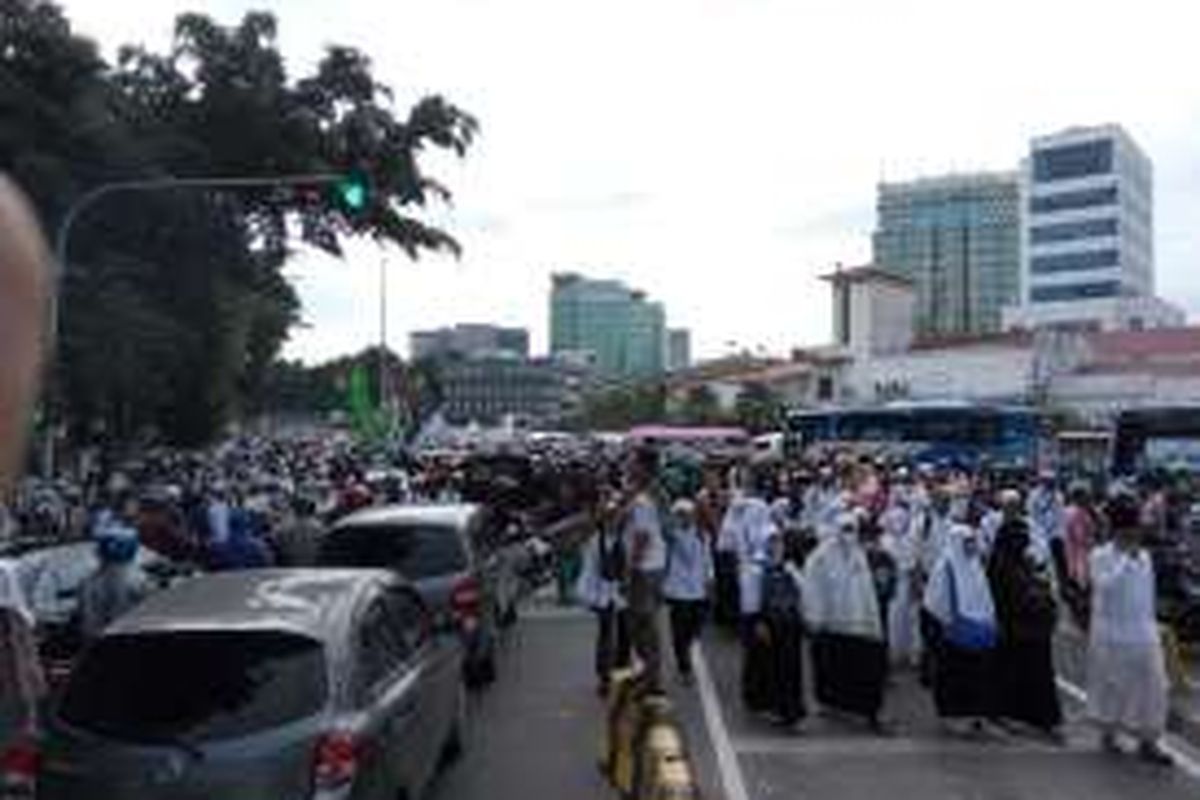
842	611
22	683
962	620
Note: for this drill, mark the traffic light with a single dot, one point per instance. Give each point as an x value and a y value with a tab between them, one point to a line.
351	192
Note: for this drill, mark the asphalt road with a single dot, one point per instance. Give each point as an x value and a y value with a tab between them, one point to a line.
536	734
839	759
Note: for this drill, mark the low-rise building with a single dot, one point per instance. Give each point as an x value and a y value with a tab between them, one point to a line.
487	390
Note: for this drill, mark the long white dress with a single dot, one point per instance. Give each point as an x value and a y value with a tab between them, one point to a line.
904	638
1127	677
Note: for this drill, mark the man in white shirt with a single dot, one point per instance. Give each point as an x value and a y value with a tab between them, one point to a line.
686	587
642	536
1127	678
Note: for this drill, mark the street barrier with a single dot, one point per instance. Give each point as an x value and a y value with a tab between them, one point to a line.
644	755
1176	669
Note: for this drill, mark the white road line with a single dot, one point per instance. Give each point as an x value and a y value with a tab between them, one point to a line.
732	780
872	747
1183	760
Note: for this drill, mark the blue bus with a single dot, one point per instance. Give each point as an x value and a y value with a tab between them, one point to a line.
1156	437
968	435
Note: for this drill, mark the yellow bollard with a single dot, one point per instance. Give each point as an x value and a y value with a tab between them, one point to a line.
627	730
622	686
674	781
661	744
1176	671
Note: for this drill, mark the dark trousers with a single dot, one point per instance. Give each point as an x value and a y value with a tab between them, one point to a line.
687	619
727	611
612	642
644	603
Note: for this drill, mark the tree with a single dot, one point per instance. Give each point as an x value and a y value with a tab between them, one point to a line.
174	304
757	408
700	406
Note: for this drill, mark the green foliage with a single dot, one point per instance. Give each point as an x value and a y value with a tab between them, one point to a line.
757	409
174	306
700	407
621	407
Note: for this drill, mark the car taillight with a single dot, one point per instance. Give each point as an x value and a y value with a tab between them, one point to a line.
19	763
335	761
465	599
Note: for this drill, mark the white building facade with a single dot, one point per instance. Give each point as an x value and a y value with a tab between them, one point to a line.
1087	240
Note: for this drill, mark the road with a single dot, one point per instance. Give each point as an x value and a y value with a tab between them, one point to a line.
836	759
536	734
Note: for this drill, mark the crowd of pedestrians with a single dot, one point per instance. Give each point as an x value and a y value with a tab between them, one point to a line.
857	569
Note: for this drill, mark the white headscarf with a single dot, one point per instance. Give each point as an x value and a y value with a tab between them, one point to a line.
839	590
12	595
970	584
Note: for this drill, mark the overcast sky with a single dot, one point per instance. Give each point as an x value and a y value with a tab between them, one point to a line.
718	153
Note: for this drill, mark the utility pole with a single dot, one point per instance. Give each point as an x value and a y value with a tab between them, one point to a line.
352	193
384	394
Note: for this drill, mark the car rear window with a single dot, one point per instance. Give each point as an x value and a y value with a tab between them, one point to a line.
415	551
195	686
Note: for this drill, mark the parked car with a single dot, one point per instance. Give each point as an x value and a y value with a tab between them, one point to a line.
459	565
265	683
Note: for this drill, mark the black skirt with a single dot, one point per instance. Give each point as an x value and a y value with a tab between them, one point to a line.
849	672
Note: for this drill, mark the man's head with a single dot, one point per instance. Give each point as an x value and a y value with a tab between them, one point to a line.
641	467
1124	518
684	513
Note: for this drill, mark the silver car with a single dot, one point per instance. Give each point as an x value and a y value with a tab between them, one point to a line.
453	559
280	684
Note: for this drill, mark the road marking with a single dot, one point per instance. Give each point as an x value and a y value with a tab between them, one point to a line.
872	746
1170	744
732	780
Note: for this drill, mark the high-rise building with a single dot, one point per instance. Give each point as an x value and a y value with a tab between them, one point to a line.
957	239
679	349
1088	238
470	341
606	324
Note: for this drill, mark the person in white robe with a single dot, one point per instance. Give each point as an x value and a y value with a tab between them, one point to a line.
904	643
963	631
1127	678
842	612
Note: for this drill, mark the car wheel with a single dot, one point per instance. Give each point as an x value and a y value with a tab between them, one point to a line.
456	740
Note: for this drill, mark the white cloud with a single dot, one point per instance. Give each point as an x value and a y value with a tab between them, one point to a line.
719	154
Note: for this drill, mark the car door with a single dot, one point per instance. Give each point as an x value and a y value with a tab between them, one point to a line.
433	673
388	695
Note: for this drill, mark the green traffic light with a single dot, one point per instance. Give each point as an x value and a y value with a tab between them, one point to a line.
353	191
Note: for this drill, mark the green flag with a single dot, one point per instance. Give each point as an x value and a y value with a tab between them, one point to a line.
362	411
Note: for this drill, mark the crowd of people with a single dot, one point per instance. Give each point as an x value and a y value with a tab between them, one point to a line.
863	568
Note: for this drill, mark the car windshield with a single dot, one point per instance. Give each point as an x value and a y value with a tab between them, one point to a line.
415	551
195	686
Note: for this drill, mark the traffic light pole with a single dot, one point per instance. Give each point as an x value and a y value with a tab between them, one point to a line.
85	201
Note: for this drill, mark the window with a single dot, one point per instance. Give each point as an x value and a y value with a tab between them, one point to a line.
415	551
1066	231
1073	161
195	685
825	388
411	618
382	648
1071	262
1075	291
1064	201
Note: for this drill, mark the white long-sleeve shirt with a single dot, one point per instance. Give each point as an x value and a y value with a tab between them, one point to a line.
1123	597
689	566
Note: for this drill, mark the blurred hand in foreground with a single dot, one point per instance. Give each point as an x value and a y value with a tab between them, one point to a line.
24	283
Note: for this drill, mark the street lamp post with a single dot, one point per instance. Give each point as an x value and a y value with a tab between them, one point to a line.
353	193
